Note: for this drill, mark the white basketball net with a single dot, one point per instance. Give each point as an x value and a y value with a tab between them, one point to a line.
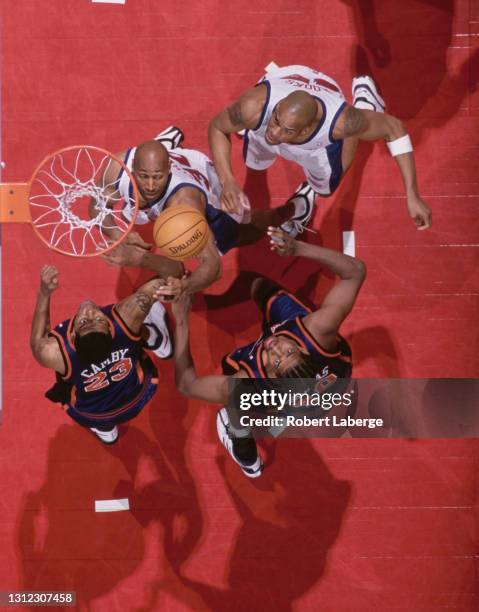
75	203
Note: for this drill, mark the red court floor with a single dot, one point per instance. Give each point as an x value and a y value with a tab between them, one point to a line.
332	525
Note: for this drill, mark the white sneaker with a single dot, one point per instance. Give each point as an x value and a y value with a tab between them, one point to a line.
366	95
108	437
251	469
303	199
159	340
170	138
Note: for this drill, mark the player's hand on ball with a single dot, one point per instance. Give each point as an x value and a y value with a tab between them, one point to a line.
134	239
48	279
420	212
281	242
233	199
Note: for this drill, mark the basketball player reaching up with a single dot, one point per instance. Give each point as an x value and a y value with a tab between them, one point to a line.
296	343
168	175
104	376
301	115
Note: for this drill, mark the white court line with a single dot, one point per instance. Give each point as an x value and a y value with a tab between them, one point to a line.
1	256
111	505
110	1
349	244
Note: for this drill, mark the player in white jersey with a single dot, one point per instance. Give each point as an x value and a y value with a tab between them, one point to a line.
301	115
167	175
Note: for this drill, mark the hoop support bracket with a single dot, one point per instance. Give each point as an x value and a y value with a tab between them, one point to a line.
14	206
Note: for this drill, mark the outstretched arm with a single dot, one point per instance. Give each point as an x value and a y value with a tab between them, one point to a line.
134	308
324	323
368	125
206	273
208	388
209	268
126	254
244	113
45	349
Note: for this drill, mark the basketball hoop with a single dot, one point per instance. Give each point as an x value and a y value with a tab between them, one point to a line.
73	202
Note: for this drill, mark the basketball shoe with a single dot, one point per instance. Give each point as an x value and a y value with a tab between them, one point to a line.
159	340
170	138
107	437
243	450
366	95
303	199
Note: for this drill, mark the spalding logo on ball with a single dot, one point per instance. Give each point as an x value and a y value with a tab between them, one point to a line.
180	232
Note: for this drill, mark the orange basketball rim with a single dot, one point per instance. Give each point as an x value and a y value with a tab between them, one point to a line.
74	201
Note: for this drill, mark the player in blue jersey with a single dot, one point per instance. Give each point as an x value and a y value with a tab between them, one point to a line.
104	376
296	342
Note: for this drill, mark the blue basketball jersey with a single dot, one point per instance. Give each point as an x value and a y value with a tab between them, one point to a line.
112	386
284	316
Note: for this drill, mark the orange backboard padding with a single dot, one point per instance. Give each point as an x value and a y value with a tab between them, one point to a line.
14	203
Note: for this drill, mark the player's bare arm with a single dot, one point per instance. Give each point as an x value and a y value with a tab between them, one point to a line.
133	254
242	114
213	389
44	348
368	125
134	308
210	268
324	323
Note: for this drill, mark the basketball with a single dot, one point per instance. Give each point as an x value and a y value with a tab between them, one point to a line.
180	232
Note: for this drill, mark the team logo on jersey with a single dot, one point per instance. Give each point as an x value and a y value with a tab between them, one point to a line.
312	84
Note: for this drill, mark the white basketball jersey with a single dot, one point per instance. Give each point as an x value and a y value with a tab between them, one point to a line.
189	168
280	82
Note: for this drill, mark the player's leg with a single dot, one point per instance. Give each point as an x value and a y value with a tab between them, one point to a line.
292	217
365	96
235	437
238	442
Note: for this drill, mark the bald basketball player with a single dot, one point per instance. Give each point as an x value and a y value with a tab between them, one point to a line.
301	115
167	175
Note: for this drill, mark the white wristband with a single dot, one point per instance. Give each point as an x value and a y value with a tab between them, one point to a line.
400	146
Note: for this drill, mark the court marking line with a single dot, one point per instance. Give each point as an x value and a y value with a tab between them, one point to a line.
111	505
109	1
349	243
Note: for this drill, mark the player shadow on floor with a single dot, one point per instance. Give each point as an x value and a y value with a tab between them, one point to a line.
376	343
63	544
396	65
289	521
